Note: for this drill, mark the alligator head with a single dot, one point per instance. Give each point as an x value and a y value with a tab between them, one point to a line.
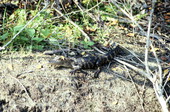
61	61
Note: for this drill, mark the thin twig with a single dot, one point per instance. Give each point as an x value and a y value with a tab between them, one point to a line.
135	55
32	103
135	87
167	79
167	100
157	83
160	96
136	23
82	9
129	16
86	36
99	50
159	66
85	11
142	72
148	39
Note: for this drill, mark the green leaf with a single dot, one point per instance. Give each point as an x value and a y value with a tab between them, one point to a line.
38	47
4	36
53	41
45	32
22	16
37	39
140	16
24	38
35	47
87	43
30	32
90	43
18	28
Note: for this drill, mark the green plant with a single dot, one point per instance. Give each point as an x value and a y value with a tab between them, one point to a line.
43	31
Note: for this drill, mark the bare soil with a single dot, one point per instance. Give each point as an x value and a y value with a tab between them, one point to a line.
29	84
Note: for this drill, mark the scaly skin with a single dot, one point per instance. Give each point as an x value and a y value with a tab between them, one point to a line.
89	62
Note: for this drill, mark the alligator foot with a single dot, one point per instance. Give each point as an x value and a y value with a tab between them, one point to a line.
82	71
72	72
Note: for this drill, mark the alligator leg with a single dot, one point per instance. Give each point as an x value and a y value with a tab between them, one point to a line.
82	71
96	74
72	72
75	70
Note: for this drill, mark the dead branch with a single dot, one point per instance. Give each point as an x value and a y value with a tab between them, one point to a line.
155	78
135	88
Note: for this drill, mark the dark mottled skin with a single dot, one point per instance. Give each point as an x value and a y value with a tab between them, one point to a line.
89	62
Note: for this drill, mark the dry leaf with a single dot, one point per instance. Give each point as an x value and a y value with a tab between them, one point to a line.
69	32
123	28
39	66
163	58
115	102
168	20
10	67
131	34
133	25
165	72
90	29
112	21
83	53
154	49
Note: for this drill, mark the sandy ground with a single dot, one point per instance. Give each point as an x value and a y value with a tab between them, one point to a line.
29	84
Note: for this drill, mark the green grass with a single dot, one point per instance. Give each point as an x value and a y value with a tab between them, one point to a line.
43	33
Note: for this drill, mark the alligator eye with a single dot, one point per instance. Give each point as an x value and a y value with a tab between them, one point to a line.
75	64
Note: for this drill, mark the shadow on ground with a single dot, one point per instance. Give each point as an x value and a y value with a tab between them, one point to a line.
28	83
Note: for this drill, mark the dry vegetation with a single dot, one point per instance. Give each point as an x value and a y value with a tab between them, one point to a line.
138	81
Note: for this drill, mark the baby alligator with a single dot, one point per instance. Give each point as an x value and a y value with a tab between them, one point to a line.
89	62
